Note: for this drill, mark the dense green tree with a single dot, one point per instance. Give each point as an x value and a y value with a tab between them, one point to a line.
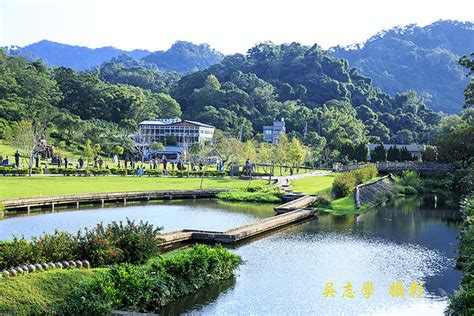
379	153
393	154
468	62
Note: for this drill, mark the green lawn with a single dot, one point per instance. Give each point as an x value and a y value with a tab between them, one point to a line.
15	187
313	185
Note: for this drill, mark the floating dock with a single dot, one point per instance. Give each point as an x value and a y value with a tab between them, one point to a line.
238	233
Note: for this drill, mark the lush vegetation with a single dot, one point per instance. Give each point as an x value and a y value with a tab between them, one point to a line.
305	85
147	288
419	58
71	56
462	301
255	194
40	293
101	245
345	183
185	57
16	187
182	56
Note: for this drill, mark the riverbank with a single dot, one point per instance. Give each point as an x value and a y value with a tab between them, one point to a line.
462	301
63	291
23	187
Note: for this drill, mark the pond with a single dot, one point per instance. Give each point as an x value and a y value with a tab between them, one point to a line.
286	272
410	240
171	215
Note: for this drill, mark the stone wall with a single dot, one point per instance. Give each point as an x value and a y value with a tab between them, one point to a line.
371	192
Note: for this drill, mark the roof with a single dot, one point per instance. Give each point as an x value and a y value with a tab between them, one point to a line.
410	147
171	122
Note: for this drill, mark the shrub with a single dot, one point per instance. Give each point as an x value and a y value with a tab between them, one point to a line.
58	246
324	199
408	190
343	184
260	194
410	178
149	287
17	251
102	245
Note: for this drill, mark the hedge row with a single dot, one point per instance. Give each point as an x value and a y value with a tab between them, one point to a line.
344	183
149	287
113	171
102	245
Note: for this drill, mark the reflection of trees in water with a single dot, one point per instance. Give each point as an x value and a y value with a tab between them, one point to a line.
202	297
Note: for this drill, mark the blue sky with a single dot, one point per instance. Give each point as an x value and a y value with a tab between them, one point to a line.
228	25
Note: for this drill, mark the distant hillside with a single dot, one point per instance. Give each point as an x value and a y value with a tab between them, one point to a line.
185	57
75	57
419	58
182	57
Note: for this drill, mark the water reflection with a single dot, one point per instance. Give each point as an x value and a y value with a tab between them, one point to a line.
285	273
174	215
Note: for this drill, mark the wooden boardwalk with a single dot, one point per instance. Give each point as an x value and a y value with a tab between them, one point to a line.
238	233
101	198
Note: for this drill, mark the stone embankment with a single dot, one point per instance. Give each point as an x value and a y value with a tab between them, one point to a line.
373	192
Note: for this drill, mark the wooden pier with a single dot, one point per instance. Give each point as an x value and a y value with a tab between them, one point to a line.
299	203
238	233
101	198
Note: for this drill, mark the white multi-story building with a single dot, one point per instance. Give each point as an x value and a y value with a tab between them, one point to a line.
174	134
272	132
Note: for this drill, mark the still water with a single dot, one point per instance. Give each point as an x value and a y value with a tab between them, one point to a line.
171	215
285	272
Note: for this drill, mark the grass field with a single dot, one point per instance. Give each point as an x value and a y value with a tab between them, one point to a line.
15	187
313	185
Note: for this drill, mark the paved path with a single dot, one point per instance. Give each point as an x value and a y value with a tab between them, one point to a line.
284	181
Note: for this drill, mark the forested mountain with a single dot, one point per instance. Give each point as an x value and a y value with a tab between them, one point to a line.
421	58
185	57
71	56
308	87
182	57
127	70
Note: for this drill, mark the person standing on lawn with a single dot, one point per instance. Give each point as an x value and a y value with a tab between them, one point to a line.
17	159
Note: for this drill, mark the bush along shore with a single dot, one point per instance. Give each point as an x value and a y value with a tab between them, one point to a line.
101	245
252	194
462	301
147	288
340	200
128	271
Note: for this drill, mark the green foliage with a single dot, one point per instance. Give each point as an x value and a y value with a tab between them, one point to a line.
343	185
421	58
462	301
468	62
185	57
455	143
101	245
407	190
324	199
149	287
393	154
307	87
379	153
411	178
263	195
